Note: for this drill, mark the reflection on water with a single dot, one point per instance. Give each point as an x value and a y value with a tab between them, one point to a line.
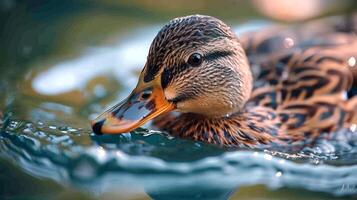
45	133
117	60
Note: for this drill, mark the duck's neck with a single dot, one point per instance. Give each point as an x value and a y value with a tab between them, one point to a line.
252	128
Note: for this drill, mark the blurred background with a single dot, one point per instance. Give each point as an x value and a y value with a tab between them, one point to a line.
62	62
31	30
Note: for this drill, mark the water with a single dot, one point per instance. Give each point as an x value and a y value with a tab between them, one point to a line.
48	151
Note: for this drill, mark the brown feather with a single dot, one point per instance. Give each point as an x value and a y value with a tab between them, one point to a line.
299	94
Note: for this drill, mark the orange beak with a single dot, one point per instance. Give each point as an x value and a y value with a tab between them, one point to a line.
146	102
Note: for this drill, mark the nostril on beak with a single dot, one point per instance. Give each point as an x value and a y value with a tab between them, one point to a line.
146	94
97	127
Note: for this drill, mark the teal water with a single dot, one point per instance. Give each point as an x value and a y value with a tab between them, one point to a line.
67	68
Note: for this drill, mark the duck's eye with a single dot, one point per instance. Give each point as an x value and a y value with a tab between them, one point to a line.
195	59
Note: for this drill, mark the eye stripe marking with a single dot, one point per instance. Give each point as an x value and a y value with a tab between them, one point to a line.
216	55
170	73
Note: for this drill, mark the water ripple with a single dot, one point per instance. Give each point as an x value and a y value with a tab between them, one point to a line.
58	156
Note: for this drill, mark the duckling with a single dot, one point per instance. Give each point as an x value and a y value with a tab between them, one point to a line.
198	68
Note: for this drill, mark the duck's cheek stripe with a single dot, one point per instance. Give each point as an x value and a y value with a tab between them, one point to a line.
171	73
182	97
166	77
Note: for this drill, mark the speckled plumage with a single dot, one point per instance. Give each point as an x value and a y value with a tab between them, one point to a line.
301	93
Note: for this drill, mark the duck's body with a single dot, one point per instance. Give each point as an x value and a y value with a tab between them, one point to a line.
296	109
198	67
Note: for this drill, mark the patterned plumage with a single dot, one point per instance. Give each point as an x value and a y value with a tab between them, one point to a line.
299	93
310	100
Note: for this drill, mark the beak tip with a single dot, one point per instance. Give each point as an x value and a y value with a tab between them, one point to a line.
97	126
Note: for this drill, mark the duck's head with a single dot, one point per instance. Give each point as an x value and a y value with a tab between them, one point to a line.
195	64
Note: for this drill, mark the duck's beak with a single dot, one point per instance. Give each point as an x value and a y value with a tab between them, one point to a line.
146	102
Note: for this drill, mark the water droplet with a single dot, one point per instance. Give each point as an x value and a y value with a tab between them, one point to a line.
13	125
278	174
40	134
288	42
351	61
28	128
344	95
58	139
27	131
40	124
70	129
268	157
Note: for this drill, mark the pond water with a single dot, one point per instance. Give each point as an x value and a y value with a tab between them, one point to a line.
48	151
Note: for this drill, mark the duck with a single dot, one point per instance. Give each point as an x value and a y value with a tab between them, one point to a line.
198	84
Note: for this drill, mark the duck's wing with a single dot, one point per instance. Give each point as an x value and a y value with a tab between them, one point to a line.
309	96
